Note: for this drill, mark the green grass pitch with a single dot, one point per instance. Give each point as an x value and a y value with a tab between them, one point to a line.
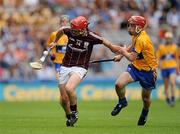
94	118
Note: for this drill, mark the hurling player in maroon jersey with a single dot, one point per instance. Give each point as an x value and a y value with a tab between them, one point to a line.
75	63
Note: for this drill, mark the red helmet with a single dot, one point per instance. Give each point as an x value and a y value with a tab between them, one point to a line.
138	21
79	23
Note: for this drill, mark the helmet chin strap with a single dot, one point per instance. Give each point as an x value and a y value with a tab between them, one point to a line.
138	29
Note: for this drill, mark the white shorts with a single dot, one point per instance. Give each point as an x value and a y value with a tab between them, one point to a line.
66	72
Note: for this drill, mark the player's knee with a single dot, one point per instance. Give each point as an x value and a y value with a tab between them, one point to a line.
146	100
119	86
69	88
172	83
64	99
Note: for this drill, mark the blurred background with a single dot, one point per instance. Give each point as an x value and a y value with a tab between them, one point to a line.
29	99
26	24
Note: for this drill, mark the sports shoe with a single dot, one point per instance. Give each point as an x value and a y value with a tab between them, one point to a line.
68	123
73	119
142	120
118	108
171	104
75	114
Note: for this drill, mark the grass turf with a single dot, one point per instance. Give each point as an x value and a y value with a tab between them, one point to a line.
94	118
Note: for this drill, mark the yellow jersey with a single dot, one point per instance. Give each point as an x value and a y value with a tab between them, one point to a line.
146	59
59	50
167	55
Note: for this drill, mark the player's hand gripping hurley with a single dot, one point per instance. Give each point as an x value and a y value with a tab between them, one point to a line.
39	64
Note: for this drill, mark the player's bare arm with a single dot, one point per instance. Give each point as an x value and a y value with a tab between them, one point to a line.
117	58
131	56
113	48
129	48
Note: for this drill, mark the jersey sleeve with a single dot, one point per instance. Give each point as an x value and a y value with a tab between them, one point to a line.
158	53
50	39
177	53
96	38
66	30
98	41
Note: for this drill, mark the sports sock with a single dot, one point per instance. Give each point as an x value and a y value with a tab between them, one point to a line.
68	116
144	112
122	100
73	107
172	98
168	100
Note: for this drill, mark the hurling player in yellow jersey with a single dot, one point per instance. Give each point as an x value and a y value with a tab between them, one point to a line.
168	58
57	53
142	68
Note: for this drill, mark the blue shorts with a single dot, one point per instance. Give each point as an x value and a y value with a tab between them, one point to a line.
57	67
147	79
167	72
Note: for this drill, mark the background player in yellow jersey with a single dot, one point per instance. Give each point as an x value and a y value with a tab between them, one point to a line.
142	68
57	53
168	58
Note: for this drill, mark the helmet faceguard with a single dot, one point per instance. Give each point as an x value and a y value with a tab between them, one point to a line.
138	23
79	26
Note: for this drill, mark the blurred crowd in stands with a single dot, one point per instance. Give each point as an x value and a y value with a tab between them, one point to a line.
26	24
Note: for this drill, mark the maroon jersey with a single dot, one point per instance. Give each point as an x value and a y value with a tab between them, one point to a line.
79	48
